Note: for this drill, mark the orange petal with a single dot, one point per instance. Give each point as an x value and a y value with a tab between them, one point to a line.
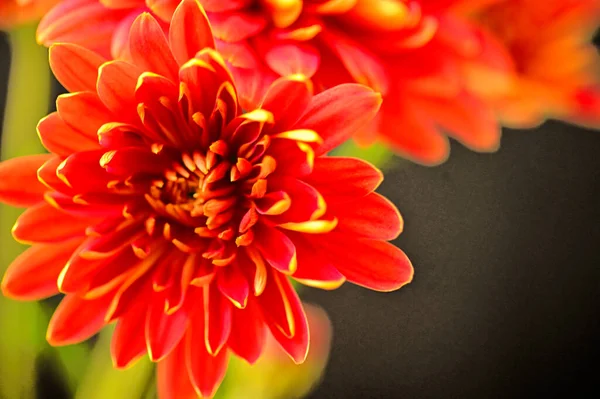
117	81
44	223
305	202
83	112
190	31
76	319
374	264
33	274
149	48
19	185
338	113
61	139
75	67
164	9
372	216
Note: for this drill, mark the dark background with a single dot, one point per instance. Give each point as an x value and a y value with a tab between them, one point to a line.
505	300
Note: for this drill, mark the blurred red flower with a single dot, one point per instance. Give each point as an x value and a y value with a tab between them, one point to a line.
420	54
556	65
16	12
166	208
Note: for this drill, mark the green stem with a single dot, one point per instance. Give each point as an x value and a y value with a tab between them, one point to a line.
22	324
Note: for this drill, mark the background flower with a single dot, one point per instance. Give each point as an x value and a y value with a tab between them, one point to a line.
418	54
17	12
555	63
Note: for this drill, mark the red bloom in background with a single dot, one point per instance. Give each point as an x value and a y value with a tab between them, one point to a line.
16	12
555	62
421	55
166	209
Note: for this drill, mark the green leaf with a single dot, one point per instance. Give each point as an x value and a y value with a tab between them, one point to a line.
378	154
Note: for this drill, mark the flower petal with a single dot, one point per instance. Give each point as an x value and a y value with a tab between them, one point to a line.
293	58
163	331
128	343
233	285
61	139
75	67
285	317
117	81
341	179
372	216
315	269
190	31
276	248
33	274
338	113
173	381
77	319
19	185
287	99
44	223
149	48
206	371
374	264
217	319
248	333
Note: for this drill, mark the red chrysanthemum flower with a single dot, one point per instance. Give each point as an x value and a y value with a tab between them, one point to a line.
168	210
420	54
16	12
555	62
